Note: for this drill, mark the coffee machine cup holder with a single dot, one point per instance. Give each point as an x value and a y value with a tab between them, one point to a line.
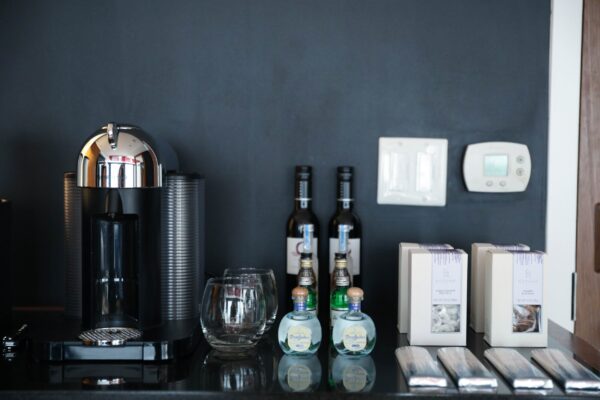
104	337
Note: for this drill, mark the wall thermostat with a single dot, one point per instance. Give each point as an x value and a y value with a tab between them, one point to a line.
497	167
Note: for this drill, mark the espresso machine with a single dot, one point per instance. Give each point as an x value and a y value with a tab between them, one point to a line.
134	238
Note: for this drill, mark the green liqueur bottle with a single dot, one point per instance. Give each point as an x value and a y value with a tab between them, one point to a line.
306	274
340	280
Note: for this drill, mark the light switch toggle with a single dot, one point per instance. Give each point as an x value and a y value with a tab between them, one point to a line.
412	171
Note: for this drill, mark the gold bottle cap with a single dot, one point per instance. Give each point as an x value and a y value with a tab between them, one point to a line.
355	293
299	292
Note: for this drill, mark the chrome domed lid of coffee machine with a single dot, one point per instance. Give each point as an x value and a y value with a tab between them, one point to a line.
119	156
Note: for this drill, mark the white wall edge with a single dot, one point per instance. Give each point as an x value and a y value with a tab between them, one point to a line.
563	155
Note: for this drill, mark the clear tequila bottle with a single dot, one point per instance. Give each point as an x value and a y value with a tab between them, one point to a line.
354	332
299	331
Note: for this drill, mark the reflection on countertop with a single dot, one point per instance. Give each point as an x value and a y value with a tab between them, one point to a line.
264	371
299	373
352	374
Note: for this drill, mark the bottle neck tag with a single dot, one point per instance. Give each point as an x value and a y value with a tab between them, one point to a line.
303	202
306	281
345	204
299	305
342	281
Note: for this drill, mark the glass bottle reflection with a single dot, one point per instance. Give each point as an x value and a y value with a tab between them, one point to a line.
228	373
353	373
299	373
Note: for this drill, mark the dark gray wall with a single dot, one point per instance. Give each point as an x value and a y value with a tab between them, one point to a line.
244	90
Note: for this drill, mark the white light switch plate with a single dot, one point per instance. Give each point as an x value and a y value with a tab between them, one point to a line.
412	171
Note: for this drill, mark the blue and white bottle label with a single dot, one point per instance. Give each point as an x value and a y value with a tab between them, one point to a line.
354	338
299	338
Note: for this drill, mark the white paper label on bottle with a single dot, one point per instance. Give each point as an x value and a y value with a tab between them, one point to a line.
299	377
354	378
528	278
294	246
446	277
334	315
354	338
342	281
299	338
305	281
353	256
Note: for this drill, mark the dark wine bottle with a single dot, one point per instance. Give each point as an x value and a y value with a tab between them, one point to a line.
345	215
302	215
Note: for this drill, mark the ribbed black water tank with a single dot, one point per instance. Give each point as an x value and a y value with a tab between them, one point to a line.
182	266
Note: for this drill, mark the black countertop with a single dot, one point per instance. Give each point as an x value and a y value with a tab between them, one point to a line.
205	374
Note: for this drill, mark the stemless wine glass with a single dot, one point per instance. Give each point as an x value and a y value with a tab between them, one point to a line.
233	313
267	278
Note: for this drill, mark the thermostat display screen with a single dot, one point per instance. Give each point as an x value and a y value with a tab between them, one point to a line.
495	165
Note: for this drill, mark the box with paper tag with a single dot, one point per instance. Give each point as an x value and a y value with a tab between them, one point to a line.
403	250
477	300
437	297
515	290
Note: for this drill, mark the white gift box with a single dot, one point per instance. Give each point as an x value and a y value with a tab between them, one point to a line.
437	297
403	249
477	301
515	289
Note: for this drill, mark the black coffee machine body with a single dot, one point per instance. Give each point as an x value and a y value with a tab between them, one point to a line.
134	241
121	179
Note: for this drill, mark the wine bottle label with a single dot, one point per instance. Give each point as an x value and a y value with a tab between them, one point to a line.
354	338
335	314
294	247
299	377
354	378
353	256
299	338
528	289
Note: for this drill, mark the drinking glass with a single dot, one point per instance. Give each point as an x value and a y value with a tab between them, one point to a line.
267	278
233	315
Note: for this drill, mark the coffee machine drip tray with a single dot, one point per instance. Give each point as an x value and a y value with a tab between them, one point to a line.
60	339
109	336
